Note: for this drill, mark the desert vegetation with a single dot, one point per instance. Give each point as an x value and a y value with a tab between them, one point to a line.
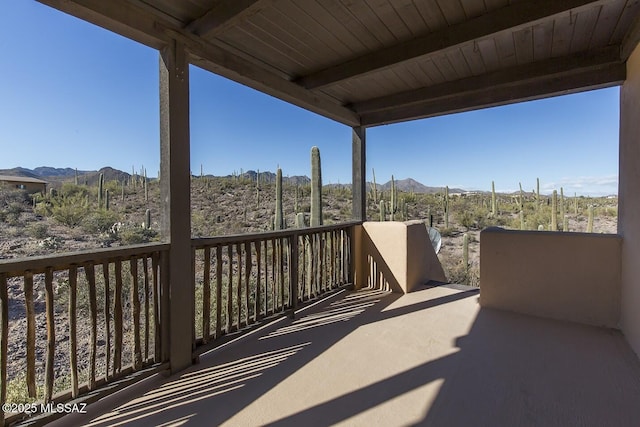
81	214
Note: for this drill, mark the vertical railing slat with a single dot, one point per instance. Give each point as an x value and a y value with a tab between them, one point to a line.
155	263
117	319
31	333
265	299
145	268
4	337
334	280
51	336
273	275
107	318
73	344
218	291
135	313
281	243
257	305
247	278
89	272
164	306
230	289
239	286
206	296
293	273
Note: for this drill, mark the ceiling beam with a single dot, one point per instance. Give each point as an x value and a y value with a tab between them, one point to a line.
595	77
223	15
515	16
509	76
118	16
139	24
223	62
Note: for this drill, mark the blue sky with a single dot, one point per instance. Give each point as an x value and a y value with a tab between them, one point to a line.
75	95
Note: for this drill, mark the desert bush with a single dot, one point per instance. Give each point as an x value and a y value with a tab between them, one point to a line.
136	235
69	189
100	221
69	211
38	230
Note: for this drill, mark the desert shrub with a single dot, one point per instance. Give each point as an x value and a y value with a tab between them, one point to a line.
38	230
69	211
136	235
71	190
100	221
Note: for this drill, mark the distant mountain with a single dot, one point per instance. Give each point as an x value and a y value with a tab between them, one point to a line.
271	177
59	175
409	185
19	172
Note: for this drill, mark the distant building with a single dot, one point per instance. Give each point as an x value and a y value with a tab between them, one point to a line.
31	185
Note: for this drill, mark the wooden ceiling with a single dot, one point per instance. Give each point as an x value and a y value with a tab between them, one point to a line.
366	63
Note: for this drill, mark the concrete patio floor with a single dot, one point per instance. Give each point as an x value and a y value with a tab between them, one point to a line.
369	358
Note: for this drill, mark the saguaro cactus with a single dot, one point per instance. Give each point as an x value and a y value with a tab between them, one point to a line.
383	213
493	199
562	212
300	220
537	193
146	188
465	257
278	223
147	219
106	199
100	189
590	220
374	190
392	208
554	211
446	207
316	188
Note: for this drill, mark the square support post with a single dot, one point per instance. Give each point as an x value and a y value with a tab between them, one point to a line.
359	174
175	191
359	206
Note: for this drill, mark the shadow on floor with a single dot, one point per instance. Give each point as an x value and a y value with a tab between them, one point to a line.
507	370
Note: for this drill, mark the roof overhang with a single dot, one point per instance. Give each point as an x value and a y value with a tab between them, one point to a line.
365	63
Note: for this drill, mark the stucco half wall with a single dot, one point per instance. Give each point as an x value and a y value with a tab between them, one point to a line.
629	201
397	256
566	276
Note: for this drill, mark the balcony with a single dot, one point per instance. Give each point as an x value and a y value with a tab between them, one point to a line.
286	341
371	357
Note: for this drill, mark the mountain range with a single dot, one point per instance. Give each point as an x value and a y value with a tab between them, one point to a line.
59	175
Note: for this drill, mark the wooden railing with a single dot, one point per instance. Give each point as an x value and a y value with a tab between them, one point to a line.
243	279
106	311
118	295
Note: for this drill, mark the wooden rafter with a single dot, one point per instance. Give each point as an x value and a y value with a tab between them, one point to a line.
515	16
510	76
139	24
586	78
224	14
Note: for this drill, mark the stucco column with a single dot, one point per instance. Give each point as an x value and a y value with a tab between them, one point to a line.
175	184
629	201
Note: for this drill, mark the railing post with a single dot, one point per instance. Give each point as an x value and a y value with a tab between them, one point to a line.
175	183
293	273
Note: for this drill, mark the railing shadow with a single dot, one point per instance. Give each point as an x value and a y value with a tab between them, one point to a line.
228	381
510	370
